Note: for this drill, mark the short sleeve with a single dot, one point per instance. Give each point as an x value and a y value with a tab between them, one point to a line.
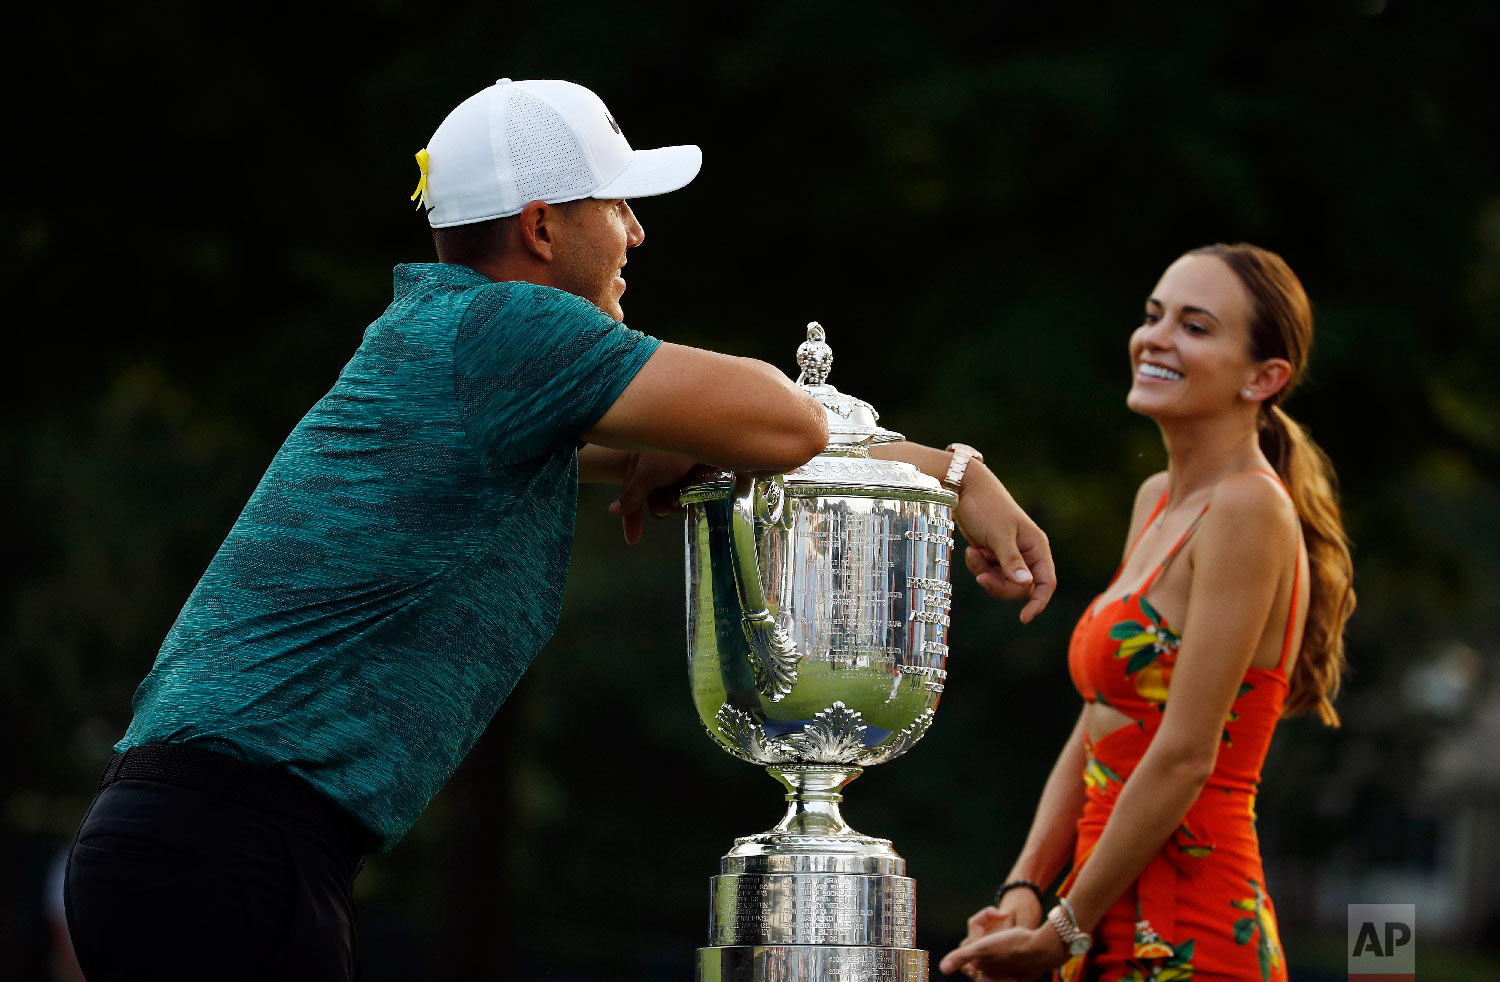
535	368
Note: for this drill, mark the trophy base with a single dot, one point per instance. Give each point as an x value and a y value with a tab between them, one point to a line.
812	900
811	963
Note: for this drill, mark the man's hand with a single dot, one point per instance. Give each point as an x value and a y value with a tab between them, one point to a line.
1008	554
651	480
1014	953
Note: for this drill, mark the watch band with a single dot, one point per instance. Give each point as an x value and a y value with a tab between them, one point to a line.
1074	938
962	454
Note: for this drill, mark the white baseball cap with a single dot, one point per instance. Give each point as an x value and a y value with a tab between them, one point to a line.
539	140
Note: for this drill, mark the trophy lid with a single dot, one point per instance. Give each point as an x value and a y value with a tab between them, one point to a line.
853	424
845	465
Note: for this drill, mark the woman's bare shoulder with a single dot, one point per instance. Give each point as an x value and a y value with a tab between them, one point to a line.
1254	494
1252	501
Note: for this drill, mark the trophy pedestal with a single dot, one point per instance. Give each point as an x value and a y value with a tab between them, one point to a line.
812	900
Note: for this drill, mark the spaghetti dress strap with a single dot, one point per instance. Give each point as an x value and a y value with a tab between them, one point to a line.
1291	617
1145	527
1172	553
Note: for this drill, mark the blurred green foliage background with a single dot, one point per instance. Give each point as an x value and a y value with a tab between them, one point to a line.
973	198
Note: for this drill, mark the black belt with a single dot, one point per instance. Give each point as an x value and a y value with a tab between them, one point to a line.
266	788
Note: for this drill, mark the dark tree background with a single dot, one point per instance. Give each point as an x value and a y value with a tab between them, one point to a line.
204	205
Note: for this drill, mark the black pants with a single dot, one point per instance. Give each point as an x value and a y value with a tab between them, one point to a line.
170	882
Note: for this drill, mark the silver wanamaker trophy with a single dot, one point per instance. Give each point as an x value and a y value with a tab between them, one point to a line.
817	623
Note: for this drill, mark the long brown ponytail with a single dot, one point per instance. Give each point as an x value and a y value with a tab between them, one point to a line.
1281	326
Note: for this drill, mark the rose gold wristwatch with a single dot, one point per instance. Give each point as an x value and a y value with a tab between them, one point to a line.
962	454
1074	938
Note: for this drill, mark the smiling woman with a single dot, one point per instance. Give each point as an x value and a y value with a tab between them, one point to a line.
1240	549
1181	336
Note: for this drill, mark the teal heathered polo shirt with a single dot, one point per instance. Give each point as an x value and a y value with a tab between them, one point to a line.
404	557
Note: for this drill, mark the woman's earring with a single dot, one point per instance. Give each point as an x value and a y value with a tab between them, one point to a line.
1248	394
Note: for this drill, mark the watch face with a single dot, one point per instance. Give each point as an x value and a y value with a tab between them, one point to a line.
1080	945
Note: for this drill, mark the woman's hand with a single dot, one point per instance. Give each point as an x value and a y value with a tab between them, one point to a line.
1013	953
1022	907
1018	908
987	921
1008	553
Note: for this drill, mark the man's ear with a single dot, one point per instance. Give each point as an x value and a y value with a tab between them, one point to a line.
536	223
1270	378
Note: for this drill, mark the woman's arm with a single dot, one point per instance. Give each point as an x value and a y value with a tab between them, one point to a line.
1236	574
1049	844
1008	553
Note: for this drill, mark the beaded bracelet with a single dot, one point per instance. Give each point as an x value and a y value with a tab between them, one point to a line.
1020	885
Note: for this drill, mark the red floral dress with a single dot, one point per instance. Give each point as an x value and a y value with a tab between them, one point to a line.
1200	909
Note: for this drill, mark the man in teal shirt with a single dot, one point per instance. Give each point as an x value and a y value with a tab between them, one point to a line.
403	558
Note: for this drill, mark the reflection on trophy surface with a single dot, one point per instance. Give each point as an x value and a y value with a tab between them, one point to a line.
817	621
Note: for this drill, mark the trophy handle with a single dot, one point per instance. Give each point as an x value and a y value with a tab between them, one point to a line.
773	655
